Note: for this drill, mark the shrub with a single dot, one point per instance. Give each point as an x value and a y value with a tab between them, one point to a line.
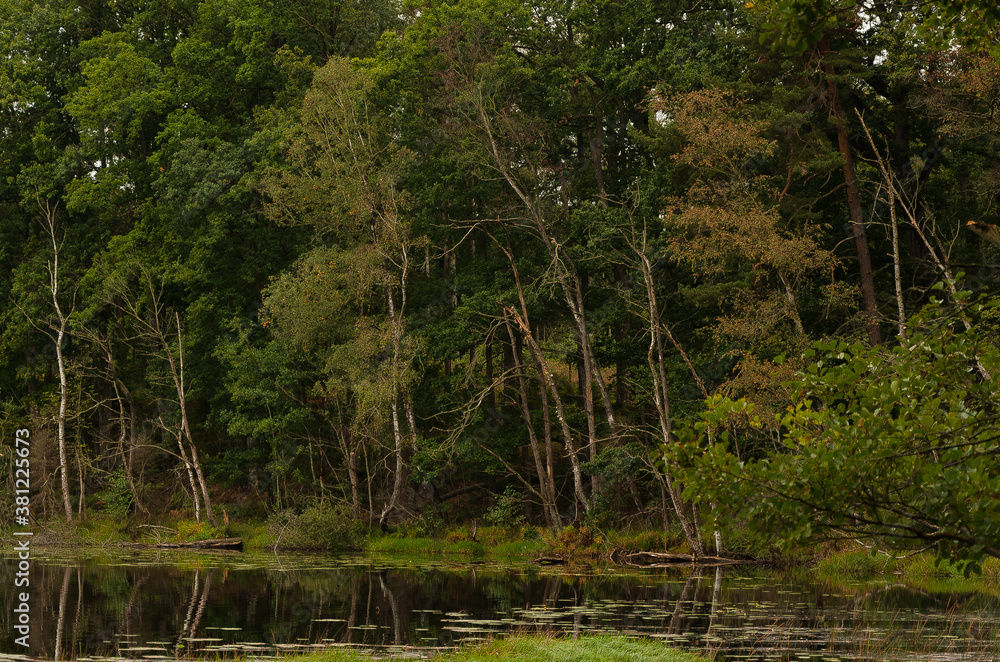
572	541
896	443
425	525
116	497
507	511
191	531
320	526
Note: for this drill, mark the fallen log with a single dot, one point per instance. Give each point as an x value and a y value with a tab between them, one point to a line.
214	543
550	560
664	560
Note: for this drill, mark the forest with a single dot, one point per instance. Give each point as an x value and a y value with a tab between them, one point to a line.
656	264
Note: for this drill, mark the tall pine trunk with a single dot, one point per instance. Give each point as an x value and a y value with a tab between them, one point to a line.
853	201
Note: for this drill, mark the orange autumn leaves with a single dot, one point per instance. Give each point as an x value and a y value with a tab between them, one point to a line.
728	217
728	229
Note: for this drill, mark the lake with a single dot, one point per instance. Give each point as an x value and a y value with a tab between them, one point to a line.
168	604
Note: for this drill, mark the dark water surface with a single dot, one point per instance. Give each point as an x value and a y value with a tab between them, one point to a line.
171	604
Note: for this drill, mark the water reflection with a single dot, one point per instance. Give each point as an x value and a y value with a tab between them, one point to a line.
191	605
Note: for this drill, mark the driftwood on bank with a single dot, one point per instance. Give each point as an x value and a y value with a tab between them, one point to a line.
664	560
653	559
550	560
215	543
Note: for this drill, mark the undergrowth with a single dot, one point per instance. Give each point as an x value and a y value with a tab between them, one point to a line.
465	540
924	570
325	526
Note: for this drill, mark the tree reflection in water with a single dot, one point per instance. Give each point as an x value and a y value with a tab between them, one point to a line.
182	605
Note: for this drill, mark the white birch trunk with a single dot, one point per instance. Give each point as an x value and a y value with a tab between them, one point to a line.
49	212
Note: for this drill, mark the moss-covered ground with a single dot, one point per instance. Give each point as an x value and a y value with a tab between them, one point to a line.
543	649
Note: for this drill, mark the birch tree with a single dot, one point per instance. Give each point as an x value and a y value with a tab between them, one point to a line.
57	331
342	180
135	292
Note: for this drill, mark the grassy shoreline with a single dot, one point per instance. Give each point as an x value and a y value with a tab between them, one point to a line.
843	568
462	540
525	543
923	571
525	648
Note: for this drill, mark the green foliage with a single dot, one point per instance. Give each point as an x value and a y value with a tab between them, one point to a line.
117	495
893	445
924	571
615	468
323	525
795	25
403	545
573	541
641	540
858	563
743	539
507	511
100	530
121	93
972	23
189	531
490	541
323	194
427	524
255	535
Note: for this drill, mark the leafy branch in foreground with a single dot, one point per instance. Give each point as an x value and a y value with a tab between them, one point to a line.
898	446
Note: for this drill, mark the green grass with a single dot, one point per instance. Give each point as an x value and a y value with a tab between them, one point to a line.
101	530
395	544
862	563
462	540
255	535
93	531
919	571
519	548
492	541
856	564
97	530
545	649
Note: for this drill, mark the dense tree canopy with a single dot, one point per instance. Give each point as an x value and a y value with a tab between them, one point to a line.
411	257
